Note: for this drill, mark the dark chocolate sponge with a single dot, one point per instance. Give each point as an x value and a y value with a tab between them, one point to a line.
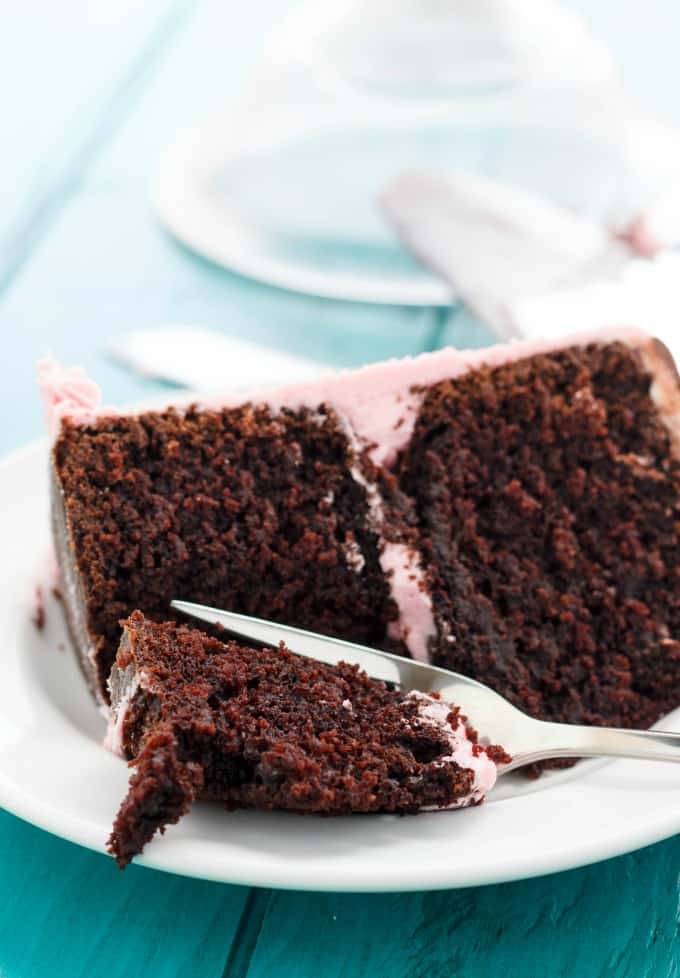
547	494
241	508
266	729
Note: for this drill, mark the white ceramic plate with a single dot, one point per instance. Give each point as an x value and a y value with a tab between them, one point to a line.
188	201
55	773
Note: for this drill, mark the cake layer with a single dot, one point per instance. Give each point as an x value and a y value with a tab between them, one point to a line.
548	502
276	514
266	729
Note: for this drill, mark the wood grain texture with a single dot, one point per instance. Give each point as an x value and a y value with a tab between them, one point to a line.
75	300
618	919
57	123
66	911
102	264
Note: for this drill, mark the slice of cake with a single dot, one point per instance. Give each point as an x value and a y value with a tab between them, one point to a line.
511	513
273	513
267	729
547	492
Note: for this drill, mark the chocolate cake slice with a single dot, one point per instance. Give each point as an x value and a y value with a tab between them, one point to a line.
265	729
547	492
510	512
276	513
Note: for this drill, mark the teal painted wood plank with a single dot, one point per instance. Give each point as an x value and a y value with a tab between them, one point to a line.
105	267
210	66
618	919
66	911
62	64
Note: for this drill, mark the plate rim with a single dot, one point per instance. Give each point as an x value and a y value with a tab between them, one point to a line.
184	209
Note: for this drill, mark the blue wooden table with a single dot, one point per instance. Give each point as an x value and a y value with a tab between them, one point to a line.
91	93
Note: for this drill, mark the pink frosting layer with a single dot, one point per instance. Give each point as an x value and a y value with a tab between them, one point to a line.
462	751
116	716
67	392
380	401
113	739
415	625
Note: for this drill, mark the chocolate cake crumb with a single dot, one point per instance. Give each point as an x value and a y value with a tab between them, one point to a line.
39	616
226	508
548	500
266	729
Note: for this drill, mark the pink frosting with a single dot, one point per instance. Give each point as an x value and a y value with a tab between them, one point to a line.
415	624
379	400
113	739
67	392
117	714
462	751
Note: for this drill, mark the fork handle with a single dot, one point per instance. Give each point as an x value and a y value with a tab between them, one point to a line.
554	740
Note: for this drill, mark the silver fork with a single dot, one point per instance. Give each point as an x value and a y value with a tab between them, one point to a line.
526	740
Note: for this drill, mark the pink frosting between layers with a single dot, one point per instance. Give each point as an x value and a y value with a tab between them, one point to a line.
415	624
435	712
113	739
400	564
